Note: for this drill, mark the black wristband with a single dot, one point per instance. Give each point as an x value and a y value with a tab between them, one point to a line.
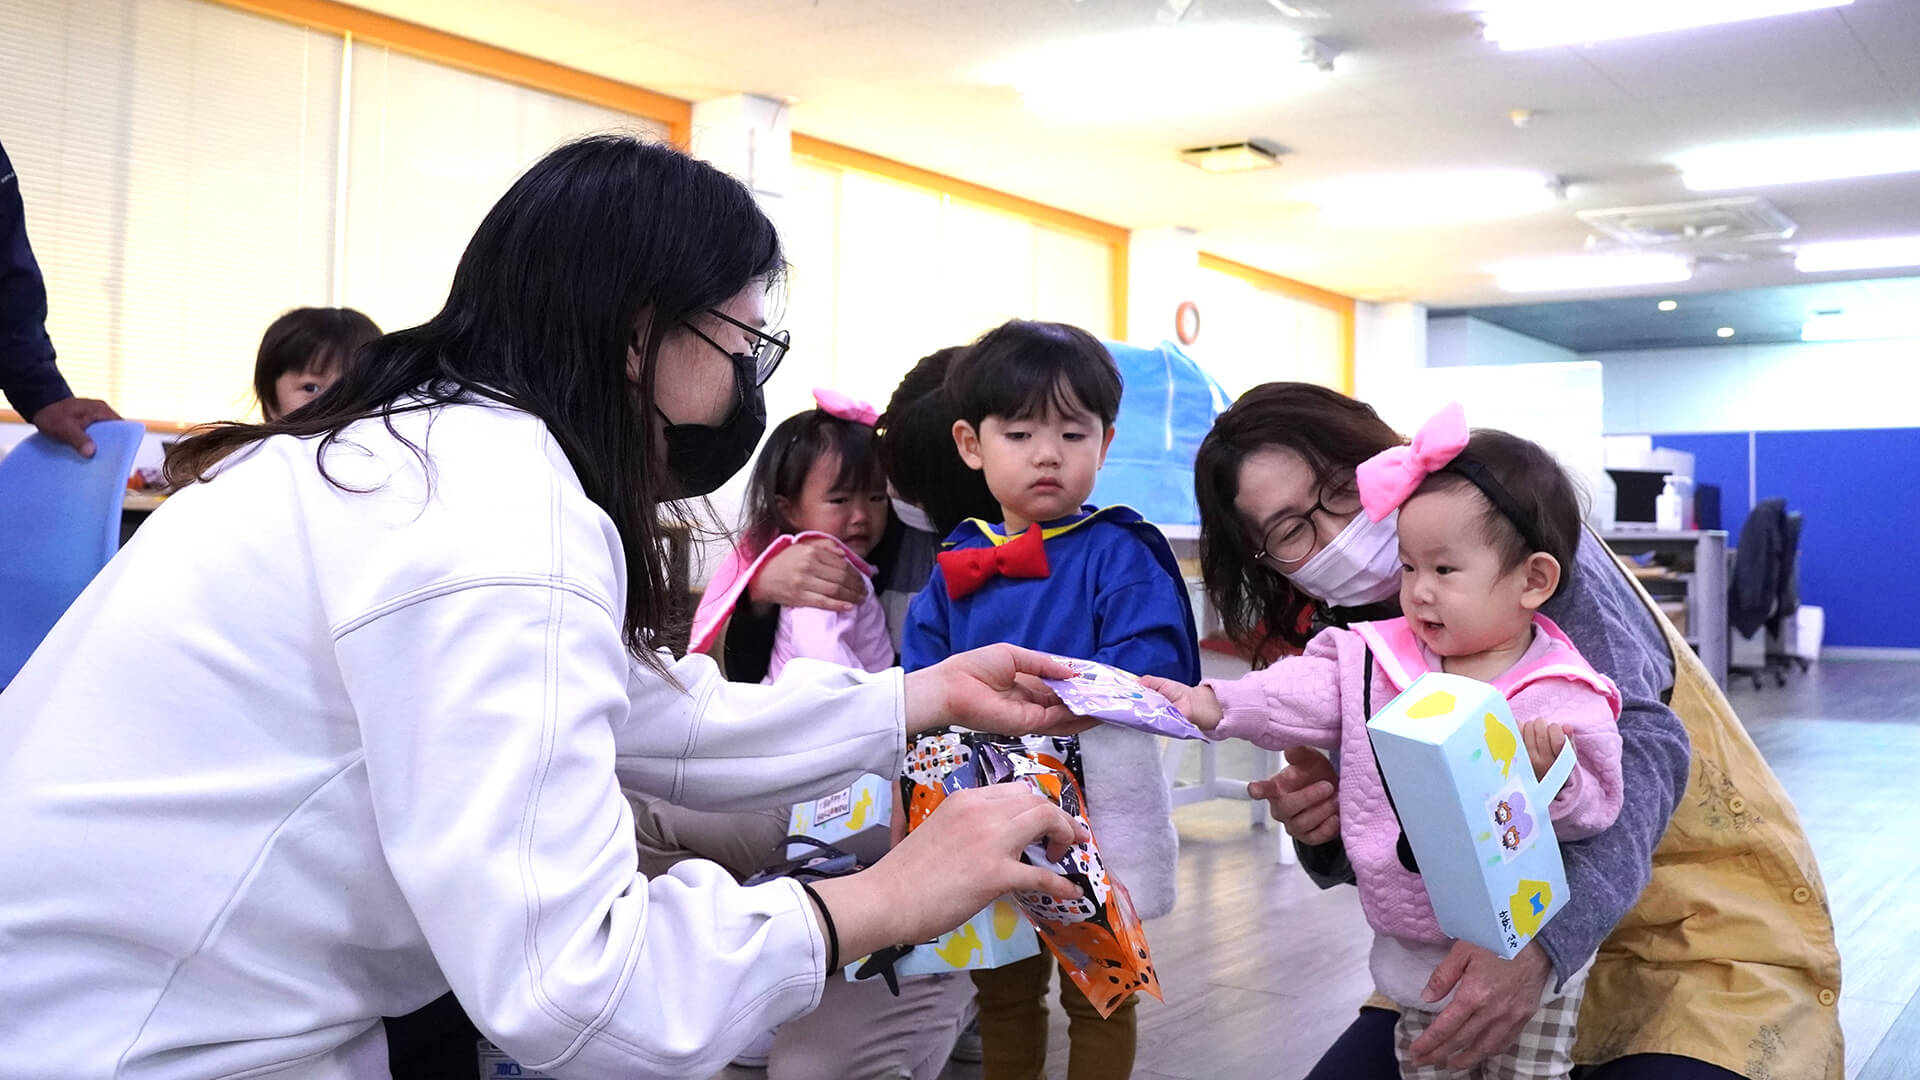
833	935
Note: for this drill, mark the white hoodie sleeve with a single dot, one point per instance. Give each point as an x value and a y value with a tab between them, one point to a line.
488	710
709	744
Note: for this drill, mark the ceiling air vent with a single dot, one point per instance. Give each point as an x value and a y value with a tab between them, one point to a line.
1705	224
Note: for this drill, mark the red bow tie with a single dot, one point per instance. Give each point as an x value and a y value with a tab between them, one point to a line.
968	570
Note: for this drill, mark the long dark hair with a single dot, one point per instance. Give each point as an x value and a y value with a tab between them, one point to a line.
787	458
1333	433
596	235
917	451
310	341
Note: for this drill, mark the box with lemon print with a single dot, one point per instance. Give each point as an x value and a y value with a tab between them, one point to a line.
994	938
857	820
1472	811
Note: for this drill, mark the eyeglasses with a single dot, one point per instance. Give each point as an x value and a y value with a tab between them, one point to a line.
768	349
1291	539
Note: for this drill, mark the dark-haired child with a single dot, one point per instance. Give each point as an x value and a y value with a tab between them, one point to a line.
303	353
817	481
1488	527
1036	403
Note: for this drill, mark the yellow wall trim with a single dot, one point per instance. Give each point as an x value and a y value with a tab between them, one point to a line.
847	157
479	58
1299	290
1114	236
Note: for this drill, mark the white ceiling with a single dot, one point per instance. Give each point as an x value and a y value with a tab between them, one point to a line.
1413	89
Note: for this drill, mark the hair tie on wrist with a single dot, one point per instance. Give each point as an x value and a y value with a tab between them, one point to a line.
833	934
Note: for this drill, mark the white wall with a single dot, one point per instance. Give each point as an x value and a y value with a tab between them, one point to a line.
1163	266
1389	340
1459	340
1851	384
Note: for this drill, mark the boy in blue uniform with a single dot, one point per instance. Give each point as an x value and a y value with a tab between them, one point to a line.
1036	403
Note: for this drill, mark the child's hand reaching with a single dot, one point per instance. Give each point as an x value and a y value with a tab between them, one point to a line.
1544	743
1196	703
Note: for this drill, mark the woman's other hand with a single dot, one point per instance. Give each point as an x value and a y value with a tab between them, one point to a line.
965	854
1303	797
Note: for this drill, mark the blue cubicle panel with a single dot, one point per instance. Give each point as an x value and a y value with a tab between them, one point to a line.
1167	407
1858	491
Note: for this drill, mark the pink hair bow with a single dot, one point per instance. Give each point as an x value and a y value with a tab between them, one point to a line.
1389	477
844	407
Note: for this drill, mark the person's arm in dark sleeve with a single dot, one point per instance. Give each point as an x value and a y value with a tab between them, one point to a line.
747	649
27	372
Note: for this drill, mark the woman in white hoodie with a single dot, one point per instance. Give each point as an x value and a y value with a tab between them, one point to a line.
346	724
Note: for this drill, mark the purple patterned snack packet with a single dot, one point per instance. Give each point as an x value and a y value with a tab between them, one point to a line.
1107	693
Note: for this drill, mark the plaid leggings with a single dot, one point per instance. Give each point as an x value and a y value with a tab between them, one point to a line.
1544	1050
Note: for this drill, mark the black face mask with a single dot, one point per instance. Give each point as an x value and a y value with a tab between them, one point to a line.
701	457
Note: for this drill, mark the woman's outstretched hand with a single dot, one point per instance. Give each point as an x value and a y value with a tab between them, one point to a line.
996	689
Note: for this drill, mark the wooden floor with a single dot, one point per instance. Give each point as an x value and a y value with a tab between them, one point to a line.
1262	970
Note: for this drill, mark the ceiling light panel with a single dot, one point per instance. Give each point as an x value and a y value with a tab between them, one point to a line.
1566	273
1540	24
1878	254
1800	161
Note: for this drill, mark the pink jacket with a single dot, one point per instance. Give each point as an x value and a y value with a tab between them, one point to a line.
1315	700
856	639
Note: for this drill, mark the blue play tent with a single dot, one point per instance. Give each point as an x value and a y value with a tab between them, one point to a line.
1166	409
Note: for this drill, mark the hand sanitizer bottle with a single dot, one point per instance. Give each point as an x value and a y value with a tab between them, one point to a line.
1667	508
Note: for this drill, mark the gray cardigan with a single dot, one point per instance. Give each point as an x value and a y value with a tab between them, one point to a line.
1606	873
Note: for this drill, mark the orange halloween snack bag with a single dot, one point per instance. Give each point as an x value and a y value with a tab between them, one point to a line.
1097	937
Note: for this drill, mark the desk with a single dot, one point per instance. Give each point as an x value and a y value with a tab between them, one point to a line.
1699	562
134	510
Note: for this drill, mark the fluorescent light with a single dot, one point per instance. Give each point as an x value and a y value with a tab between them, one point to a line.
1725	332
1668	305
1858	254
1538	24
1565	272
1181	70
1415	200
1859	327
1799	161
1232	157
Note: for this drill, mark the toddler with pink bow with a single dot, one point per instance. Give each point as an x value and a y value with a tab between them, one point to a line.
818	481
1488	524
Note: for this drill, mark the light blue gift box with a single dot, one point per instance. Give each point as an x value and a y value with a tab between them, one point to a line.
857	820
994	938
1477	820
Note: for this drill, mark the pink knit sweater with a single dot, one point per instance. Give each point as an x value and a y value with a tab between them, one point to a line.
1315	700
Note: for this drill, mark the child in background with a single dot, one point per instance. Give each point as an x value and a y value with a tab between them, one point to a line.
1488	524
933	491
1036	403
817	481
303	352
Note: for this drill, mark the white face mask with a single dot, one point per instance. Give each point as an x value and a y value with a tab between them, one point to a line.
1360	566
912	516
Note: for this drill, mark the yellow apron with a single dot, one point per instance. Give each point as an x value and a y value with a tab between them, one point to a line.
1729	957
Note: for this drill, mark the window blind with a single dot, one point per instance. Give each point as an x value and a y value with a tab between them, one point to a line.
177	163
